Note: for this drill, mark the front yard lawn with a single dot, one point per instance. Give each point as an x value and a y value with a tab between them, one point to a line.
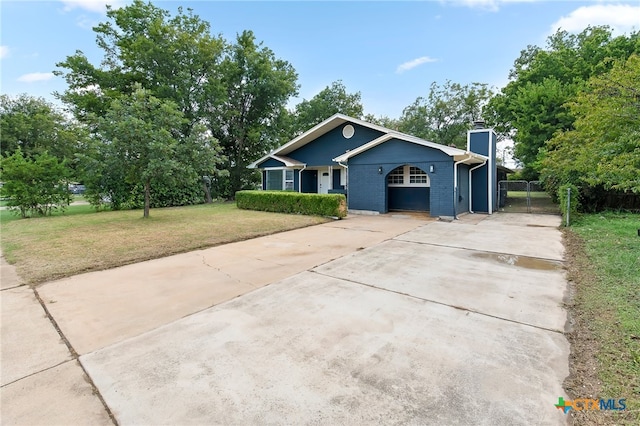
47	248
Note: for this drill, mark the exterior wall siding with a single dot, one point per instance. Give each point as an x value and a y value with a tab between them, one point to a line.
483	142
271	162
462	205
325	148
368	189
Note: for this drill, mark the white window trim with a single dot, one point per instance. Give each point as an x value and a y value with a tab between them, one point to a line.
284	178
406	169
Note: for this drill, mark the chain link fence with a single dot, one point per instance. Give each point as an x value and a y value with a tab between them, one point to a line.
520	196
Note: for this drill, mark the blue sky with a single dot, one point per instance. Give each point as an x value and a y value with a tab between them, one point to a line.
389	51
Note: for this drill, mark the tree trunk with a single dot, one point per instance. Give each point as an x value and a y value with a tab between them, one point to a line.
207	193
147	198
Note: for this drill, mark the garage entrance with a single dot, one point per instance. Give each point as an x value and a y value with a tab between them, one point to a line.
408	189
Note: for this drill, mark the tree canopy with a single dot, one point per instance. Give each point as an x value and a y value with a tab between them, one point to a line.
247	121
533	106
446	113
237	91
35	126
331	100
602	152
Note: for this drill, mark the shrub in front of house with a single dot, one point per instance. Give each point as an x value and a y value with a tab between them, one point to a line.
334	205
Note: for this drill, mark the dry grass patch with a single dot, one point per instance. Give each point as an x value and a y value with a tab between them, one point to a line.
48	248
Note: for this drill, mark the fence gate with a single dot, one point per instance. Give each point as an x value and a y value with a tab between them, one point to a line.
520	196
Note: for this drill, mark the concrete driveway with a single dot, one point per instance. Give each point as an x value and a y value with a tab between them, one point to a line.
389	319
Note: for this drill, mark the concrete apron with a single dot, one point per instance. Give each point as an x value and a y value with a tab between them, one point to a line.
451	323
42	382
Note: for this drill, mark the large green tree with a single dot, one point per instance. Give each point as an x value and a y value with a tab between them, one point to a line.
36	184
247	123
446	113
35	126
238	91
331	100
176	58
139	134
601	154
532	107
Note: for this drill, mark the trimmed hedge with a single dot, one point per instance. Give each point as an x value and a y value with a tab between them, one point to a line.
334	205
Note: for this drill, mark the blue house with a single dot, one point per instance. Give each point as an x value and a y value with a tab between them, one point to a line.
382	170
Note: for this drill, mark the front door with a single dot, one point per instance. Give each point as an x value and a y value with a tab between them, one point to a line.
324	180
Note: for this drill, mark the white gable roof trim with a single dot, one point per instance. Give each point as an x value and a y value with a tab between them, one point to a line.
338	119
456	153
318	130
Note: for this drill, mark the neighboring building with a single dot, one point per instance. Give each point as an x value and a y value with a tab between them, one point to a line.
383	170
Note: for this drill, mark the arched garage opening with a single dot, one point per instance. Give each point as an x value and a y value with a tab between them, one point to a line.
408	188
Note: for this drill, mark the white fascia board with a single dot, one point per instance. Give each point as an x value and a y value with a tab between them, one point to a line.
450	151
320	129
345	157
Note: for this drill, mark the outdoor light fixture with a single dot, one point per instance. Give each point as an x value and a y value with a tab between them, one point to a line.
380	170
432	168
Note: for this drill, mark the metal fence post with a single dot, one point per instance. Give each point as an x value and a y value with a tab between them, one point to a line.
568	204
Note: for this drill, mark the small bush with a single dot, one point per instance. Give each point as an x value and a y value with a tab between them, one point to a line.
334	205
574	202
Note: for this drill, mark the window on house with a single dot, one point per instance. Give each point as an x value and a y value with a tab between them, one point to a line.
274	180
417	175
288	180
396	176
408	176
277	180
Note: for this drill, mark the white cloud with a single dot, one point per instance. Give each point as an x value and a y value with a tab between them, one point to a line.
4	52
492	5
414	63
83	21
35	76
99	6
621	17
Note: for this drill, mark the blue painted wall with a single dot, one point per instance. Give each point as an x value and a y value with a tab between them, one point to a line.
271	162
368	189
484	142
321	151
336	179
462	204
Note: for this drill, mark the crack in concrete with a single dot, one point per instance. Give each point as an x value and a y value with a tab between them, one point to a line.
39	371
477	250
204	262
439	303
75	356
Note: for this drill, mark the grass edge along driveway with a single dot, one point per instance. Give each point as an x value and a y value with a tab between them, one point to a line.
48	248
603	254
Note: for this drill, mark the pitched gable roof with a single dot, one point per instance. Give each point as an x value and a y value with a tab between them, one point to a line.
315	132
339	119
457	154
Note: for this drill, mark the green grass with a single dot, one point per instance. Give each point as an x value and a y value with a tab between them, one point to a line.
523	194
82	240
609	296
541	202
8	216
